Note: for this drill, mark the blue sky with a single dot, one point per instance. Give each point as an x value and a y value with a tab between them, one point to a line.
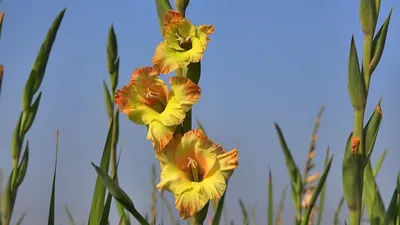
268	61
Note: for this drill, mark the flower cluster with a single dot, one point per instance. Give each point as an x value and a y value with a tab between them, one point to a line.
193	168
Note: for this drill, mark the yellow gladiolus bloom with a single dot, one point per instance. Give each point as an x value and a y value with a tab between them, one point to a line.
183	43
195	170
146	101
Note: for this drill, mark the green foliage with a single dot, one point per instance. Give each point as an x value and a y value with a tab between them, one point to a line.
25	121
119	194
53	188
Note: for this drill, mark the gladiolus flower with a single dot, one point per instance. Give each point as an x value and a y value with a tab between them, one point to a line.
195	170
183	43
146	101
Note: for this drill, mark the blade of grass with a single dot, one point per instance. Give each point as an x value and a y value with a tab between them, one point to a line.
119	194
99	193
379	163
1	76
398	204
169	209
253	215
270	200
294	173
19	222
337	212
322	195
218	212
69	214
391	213
278	220
53	188
107	206
317	191
244	212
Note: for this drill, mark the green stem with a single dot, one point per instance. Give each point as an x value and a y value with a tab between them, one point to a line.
366	62
199	218
187	123
355	217
355	214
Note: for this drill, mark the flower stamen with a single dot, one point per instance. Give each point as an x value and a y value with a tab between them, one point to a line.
192	164
185	43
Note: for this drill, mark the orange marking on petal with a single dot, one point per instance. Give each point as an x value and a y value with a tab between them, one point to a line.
122	100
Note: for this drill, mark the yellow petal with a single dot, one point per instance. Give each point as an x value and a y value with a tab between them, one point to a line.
185	91
228	161
160	134
143	115
189	203
203	31
168	57
214	186
173	114
174	180
193	199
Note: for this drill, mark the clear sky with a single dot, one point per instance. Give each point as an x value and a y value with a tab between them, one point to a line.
268	61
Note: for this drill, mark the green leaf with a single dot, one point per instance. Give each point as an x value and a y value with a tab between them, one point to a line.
70	217
218	212
350	177
23	166
30	114
244	212
371	129
379	163
314	197
293	170
368	16
371	195
378	44
356	83
7	201
99	193
270	200
19	222
391	214
322	194
53	189
119	194
162	7
112	58
39	67
1	76
107	100
194	72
